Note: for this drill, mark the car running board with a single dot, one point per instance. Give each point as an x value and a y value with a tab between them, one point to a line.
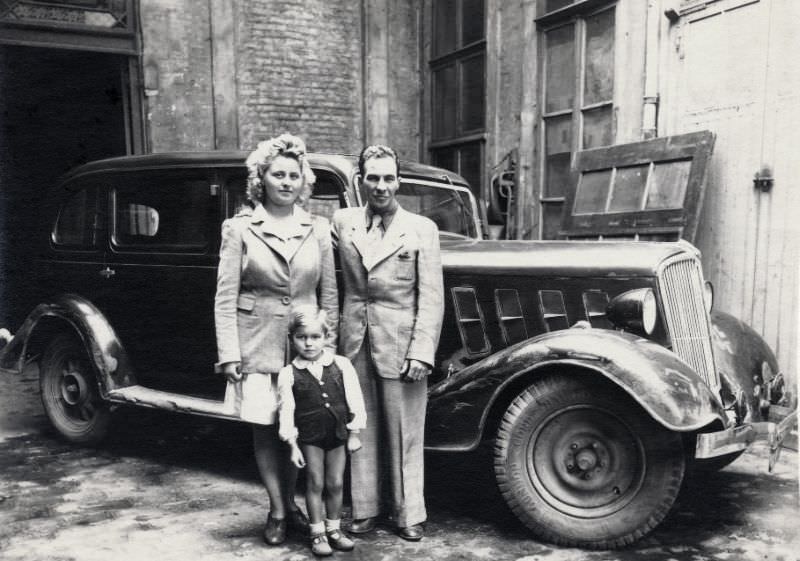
230	408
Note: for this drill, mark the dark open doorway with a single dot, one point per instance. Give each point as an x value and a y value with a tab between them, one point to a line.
58	109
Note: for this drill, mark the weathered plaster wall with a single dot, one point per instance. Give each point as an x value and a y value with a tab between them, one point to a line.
404	80
178	79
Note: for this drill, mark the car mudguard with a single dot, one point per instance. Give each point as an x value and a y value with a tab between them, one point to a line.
666	387
751	379
102	344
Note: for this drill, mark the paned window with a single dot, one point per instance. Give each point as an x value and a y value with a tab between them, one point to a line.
458	87
470	320
577	87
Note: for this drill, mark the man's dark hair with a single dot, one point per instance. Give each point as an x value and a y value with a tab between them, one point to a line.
377	151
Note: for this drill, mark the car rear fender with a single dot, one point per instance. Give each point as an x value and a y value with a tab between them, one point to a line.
71	312
666	387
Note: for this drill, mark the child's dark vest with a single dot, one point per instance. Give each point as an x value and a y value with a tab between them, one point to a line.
314	399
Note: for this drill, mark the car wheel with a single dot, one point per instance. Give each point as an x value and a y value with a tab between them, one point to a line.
585	466
69	391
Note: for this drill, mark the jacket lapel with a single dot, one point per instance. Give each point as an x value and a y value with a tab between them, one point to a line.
304	231
391	242
262	228
358	233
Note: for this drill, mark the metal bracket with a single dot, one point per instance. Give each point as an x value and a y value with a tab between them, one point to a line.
763	179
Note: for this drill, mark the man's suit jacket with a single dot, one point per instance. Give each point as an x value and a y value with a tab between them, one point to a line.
398	300
259	280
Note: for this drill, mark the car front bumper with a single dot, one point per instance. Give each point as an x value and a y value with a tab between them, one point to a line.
735	439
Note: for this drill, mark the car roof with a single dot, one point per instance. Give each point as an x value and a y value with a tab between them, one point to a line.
345	164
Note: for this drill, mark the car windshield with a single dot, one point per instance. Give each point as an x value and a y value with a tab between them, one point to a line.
451	209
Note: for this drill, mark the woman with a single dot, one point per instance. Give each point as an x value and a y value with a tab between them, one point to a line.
272	257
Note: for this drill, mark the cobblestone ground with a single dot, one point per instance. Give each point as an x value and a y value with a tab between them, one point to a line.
174	487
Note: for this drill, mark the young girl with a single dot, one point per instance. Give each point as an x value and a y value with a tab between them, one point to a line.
320	410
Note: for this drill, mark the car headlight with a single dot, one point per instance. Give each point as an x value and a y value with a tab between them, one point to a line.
708	295
635	310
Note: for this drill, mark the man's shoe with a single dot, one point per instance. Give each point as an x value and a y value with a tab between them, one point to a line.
340	541
320	545
275	531
411	533
362	525
298	522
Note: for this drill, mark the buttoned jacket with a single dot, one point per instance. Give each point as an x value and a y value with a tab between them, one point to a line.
260	278
393	292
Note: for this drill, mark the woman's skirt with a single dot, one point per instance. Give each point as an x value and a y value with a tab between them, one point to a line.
254	398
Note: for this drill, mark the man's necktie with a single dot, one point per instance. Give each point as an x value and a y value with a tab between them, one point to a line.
374	237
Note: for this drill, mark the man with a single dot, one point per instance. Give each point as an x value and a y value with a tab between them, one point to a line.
391	319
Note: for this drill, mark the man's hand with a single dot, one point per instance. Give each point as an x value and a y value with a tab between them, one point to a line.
353	442
297	456
415	370
231	370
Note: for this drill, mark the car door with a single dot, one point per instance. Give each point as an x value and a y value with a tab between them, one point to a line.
163	241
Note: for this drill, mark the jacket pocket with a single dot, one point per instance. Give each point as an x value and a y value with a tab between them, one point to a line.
246	302
405	266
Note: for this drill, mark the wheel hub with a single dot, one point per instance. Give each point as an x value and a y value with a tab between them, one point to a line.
585	461
74	388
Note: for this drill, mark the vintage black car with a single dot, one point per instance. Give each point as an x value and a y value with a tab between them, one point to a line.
595	369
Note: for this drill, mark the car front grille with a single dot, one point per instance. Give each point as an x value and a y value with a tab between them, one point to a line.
680	282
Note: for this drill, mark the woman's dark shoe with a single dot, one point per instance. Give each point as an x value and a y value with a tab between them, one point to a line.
298	522
340	541
411	533
362	525
275	530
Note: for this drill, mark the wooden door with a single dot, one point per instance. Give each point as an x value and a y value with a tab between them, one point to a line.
734	72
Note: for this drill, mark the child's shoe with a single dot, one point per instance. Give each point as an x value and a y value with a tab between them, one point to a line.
339	540
320	546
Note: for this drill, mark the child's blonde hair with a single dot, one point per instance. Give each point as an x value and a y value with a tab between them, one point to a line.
306	315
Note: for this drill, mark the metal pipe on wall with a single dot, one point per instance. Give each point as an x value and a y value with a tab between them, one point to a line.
650	101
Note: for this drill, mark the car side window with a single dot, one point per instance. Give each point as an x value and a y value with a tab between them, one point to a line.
164	212
78	221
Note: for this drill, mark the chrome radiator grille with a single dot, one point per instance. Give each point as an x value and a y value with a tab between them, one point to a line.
681	285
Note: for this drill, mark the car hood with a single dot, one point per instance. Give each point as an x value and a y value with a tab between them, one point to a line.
560	258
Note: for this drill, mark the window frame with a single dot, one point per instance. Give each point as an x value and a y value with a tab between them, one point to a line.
575	15
461	138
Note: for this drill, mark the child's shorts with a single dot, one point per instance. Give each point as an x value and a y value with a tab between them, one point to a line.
327	439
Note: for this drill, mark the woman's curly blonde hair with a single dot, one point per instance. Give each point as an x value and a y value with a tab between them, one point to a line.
260	159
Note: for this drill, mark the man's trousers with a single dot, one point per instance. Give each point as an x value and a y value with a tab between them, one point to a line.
391	462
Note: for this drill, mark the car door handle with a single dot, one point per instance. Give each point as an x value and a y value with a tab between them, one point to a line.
107	273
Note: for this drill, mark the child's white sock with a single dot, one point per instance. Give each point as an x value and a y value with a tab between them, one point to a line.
317	528
331	525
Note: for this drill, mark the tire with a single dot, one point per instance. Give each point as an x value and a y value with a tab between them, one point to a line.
70	394
585	466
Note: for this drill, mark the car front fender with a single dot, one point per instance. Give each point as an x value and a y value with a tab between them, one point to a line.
666	387
75	312
748	368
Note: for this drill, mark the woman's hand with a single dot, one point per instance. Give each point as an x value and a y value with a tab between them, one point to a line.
231	370
297	456
353	442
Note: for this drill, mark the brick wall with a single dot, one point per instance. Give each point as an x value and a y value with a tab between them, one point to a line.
178	79
299	70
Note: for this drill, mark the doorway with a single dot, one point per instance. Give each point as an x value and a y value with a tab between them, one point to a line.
58	109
